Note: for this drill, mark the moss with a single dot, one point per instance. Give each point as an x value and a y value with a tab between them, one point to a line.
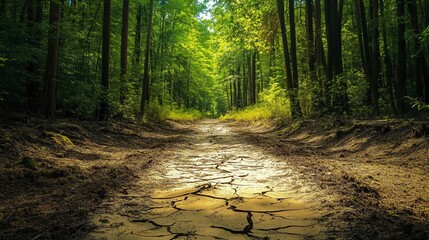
293	127
59	139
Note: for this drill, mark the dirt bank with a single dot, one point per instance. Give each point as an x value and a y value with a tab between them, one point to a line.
53	175
379	168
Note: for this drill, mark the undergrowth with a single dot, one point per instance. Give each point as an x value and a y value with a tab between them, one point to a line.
274	105
157	113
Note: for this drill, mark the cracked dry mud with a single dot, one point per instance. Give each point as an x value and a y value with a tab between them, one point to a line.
215	186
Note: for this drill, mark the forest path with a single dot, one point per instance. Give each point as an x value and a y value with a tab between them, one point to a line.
214	185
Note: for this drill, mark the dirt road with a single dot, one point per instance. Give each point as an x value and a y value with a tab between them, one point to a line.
215	186
310	179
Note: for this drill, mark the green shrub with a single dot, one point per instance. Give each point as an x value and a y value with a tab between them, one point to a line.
274	104
184	115
155	112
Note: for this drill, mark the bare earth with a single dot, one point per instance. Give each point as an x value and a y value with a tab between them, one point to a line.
215	180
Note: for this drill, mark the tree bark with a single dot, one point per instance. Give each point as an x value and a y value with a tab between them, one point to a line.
388	64
137	43
124	50
32	65
320	52
421	77
239	89
253	80
294	61
105	62
51	74
402	60
293	44
289	80
333	16
375	57
145	88
2	8
364	49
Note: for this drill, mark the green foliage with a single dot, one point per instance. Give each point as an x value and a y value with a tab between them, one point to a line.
276	101
417	104
274	105
184	115
157	113
249	114
193	60
357	87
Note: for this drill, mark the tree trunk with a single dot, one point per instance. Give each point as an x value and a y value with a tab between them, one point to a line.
137	43
364	49
320	52
105	62
388	63
253	80
333	16
239	97
51	74
145	88
293	44
289	81
32	65
124	50
402	60
271	58
245	81
231	94
2	8
249	78
375	57
310	41
421	77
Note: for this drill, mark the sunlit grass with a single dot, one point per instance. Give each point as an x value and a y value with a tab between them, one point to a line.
157	113
274	105
257	113
249	114
184	115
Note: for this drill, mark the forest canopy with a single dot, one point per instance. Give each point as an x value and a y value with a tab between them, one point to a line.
158	59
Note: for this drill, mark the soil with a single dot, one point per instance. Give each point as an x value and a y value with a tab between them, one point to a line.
324	179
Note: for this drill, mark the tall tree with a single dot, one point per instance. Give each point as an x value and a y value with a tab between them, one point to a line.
293	57
320	51
364	47
294	61
421	78
289	80
124	49
375	55
309	33
145	88
34	20
388	69
51	73
333	18
401	72
105	62
137	42
253	79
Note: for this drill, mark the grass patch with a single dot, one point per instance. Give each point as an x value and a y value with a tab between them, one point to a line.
250	114
184	115
158	113
274	105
